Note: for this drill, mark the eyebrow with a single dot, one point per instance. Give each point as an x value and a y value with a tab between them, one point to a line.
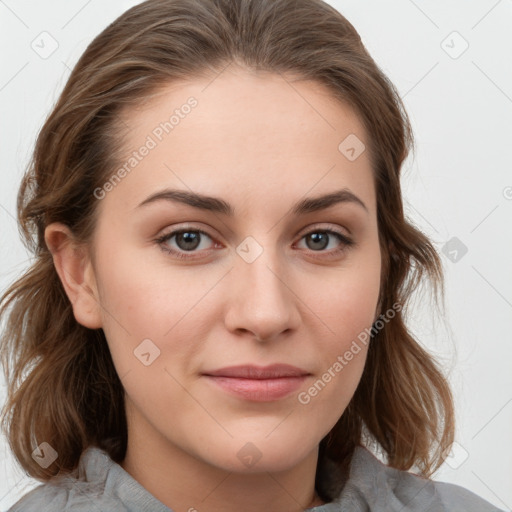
215	204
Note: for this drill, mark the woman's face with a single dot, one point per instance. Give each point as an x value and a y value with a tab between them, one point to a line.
261	274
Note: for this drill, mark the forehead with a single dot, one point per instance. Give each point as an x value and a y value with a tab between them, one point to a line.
245	134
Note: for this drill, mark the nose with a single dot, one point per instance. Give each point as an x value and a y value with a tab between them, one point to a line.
262	301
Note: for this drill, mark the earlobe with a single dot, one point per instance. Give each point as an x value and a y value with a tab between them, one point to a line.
74	267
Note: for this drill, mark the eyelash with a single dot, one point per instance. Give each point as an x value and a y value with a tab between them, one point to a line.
346	242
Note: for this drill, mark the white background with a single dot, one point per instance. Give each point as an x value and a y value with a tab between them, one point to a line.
458	184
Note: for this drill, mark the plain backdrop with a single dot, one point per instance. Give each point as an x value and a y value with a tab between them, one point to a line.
451	64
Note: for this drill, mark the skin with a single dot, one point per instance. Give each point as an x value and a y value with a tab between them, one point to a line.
261	144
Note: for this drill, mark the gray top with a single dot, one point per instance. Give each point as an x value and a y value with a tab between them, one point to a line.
104	486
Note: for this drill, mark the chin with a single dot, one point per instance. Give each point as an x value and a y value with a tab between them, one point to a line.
262	455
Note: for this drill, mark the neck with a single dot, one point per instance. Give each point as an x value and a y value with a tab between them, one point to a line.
183	482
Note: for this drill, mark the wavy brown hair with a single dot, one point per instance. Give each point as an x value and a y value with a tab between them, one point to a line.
62	384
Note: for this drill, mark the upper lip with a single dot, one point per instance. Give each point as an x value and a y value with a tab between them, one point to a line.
273	371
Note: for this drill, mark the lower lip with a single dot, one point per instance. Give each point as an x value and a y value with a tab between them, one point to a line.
259	390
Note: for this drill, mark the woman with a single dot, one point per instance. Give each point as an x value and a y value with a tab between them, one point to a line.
214	320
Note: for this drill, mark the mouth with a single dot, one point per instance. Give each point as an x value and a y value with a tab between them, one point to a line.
257	383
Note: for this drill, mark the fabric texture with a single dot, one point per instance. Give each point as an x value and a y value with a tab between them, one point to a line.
101	485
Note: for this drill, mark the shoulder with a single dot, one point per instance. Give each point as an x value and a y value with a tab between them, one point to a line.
82	491
51	497
455	497
379	487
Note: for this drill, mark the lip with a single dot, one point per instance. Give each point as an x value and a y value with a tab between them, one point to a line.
258	383
250	371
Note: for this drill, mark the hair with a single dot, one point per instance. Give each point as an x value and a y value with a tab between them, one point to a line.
62	385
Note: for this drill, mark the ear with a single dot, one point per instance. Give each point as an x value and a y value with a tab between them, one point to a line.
74	267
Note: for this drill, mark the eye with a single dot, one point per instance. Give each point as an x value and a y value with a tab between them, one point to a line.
185	241
320	239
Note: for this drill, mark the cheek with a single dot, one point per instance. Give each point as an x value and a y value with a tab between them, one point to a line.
345	300
345	306
153	332
142	301
348	309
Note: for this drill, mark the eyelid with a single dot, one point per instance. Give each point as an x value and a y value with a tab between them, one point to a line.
176	229
171	233
321	226
307	230
345	240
